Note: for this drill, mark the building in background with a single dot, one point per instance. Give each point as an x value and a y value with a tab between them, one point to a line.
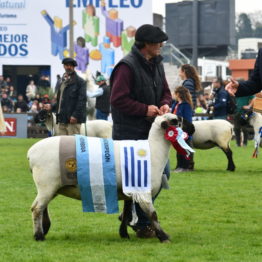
216	27
248	47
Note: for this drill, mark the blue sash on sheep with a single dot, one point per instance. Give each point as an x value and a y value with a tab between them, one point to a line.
96	174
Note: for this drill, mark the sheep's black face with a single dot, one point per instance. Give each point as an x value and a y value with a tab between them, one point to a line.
245	117
174	122
164	125
41	116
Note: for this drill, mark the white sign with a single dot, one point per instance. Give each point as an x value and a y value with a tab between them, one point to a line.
34	32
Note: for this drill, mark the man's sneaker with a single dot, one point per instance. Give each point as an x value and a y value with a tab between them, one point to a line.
178	170
146	232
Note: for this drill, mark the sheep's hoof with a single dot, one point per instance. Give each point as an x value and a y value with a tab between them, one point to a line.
125	236
166	241
39	237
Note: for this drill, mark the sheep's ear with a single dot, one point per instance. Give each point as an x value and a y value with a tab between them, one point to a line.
179	120
164	124
188	127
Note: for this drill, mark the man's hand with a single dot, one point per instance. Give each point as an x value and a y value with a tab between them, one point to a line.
232	87
152	111
73	120
103	3
164	109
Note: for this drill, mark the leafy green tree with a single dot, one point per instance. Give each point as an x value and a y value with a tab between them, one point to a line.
244	26
258	30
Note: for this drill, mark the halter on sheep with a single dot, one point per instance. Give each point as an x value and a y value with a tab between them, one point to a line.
46	173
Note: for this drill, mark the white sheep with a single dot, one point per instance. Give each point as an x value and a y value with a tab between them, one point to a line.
90	86
211	133
45	166
94	128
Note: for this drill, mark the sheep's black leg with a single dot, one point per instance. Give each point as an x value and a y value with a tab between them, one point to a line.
228	152
37	215
149	209
40	216
126	218
46	223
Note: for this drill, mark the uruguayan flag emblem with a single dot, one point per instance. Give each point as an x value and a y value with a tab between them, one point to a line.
135	167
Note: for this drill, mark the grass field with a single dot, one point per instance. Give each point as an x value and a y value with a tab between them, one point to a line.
210	214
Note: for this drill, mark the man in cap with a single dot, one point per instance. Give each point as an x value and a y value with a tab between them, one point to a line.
71	100
102	95
139	93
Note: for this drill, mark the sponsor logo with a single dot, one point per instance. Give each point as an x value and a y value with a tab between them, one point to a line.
12	4
10	124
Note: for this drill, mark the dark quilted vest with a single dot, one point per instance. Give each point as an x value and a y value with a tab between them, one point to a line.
147	88
102	102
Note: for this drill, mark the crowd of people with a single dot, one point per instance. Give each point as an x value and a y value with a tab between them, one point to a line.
32	102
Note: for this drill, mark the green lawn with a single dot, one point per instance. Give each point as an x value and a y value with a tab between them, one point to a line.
210	214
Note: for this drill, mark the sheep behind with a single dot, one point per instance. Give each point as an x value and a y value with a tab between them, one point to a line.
211	133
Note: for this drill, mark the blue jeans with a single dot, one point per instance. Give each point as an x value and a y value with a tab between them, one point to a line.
101	115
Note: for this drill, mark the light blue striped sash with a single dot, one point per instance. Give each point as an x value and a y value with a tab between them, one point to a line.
96	174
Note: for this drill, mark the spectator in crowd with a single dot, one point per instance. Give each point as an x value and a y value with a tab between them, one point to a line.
139	93
12	94
8	81
6	103
21	105
71	100
219	107
243	103
31	90
58	82
183	107
3	83
191	81
34	108
46	100
44	87
102	97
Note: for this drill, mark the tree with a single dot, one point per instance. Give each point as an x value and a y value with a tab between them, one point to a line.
244	26
258	30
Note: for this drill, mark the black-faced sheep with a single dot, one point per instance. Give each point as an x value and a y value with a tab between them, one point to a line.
212	133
